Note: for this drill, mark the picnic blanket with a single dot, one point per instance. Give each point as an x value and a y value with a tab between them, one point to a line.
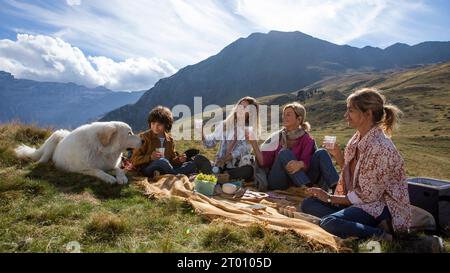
242	212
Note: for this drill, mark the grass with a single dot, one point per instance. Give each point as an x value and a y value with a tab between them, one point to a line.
44	210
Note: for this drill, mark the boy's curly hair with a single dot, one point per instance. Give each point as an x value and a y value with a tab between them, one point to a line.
161	115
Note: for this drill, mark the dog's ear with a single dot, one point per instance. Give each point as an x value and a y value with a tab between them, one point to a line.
106	133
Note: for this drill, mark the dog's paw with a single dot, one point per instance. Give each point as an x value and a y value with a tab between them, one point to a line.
110	179
122	179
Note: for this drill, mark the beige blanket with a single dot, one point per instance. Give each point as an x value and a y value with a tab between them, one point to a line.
238	211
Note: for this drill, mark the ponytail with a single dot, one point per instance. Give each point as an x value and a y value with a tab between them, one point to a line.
391	118
306	126
384	115
300	112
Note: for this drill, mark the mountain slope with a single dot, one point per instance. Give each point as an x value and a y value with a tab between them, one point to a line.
65	105
423	94
265	64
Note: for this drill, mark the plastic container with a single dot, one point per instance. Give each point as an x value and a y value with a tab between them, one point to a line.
204	187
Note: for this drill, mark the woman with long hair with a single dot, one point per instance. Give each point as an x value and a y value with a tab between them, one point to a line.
231	135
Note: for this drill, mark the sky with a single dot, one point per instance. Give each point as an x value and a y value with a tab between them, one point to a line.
130	45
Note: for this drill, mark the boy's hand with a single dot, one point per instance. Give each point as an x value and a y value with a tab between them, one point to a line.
155	155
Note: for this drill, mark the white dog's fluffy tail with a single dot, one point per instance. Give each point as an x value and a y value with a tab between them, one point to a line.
45	152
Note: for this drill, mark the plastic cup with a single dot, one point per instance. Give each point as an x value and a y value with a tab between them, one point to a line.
329	141
162	151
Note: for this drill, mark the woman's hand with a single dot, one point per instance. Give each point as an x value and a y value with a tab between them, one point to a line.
250	137
155	155
318	193
294	166
336	153
220	162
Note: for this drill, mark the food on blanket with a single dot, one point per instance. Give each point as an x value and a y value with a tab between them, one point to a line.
207	177
229	188
205	184
254	196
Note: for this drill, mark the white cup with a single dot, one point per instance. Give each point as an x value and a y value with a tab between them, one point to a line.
329	141
162	151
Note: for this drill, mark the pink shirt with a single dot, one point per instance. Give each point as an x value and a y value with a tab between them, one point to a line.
303	151
379	178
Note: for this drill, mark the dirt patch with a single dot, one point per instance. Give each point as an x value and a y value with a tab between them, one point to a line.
82	197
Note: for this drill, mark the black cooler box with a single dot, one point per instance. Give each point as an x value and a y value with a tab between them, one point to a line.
433	196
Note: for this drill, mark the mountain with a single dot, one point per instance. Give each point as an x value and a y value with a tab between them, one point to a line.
264	64
60	105
422	93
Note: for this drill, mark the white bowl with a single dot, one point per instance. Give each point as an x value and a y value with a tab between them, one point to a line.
229	188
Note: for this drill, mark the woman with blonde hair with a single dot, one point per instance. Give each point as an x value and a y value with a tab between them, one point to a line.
231	136
290	157
372	186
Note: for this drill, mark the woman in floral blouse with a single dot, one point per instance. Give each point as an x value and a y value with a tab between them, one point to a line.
372	185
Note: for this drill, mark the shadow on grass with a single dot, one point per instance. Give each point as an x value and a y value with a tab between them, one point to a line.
74	183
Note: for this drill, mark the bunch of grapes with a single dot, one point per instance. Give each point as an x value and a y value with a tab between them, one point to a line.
207	177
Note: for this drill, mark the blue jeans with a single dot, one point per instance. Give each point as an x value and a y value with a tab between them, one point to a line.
321	171
164	167
345	222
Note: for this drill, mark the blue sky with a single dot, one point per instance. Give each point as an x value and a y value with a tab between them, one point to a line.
129	45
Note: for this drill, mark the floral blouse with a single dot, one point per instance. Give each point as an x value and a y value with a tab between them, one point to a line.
379	178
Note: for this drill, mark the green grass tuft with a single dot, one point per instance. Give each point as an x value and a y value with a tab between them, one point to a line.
106	226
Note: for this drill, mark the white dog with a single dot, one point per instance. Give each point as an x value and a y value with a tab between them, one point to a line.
90	149
247	160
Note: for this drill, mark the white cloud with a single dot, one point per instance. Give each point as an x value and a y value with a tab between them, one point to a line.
179	31
341	22
73	2
184	32
45	58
